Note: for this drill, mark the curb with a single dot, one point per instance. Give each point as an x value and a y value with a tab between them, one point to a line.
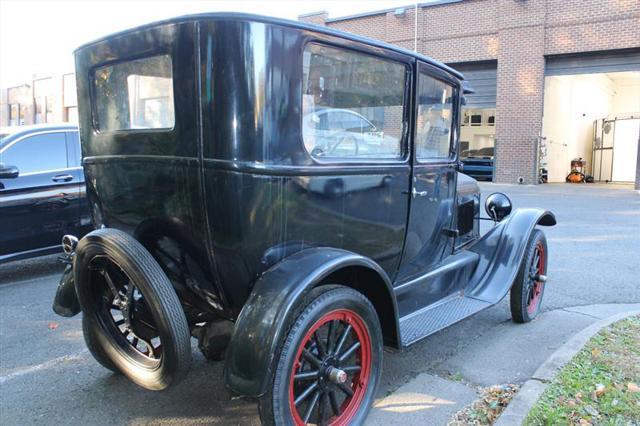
517	410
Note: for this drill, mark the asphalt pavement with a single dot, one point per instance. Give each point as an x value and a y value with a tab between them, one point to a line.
48	377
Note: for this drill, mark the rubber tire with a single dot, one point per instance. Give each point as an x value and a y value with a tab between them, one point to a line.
91	340
519	294
272	406
161	299
334	188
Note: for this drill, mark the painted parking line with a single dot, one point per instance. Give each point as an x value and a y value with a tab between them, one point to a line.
44	366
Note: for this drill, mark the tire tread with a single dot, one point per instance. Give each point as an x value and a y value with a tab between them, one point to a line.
166	296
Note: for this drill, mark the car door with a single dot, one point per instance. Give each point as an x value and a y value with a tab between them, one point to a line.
433	181
38	206
81	221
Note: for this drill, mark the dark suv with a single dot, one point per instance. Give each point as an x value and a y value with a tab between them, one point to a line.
42	190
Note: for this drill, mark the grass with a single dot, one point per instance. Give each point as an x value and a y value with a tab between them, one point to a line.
600	386
486	409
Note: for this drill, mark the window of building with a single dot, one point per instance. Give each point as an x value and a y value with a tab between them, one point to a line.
435	118
353	105
477	133
50	117
16	114
71	114
69	96
43	100
37	153
135	95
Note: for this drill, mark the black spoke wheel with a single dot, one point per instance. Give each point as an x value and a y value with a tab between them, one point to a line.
528	288
132	318
123	312
330	363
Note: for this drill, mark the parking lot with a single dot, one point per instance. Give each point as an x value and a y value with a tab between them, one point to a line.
47	376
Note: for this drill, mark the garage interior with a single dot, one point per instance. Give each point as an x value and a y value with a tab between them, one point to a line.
478	114
478	125
592	111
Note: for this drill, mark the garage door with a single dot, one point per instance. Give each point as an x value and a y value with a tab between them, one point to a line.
482	78
591	63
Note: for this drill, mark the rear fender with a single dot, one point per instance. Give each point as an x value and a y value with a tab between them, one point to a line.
501	252
66	302
261	325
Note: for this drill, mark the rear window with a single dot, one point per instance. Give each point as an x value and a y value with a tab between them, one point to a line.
136	94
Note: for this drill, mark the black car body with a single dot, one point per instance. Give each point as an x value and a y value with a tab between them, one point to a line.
42	193
198	163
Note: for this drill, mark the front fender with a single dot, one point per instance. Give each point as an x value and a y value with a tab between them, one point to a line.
261	325
501	251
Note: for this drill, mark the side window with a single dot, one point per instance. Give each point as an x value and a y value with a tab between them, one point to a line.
353	105
434	118
136	94
73	147
37	153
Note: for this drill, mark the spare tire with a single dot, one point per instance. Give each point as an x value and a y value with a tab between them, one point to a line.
133	317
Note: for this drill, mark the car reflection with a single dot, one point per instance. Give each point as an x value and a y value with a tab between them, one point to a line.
343	133
332	186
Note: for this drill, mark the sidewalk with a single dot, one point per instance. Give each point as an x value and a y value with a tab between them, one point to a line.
511	353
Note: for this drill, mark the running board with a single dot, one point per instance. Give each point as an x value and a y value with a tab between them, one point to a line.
431	319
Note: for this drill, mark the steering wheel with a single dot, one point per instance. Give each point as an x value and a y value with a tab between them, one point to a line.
348	144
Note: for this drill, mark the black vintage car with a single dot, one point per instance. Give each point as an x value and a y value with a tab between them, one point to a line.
202	175
42	192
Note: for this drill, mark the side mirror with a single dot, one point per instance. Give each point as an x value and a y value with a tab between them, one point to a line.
8	172
498	206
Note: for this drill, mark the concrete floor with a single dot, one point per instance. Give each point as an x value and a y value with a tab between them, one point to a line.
47	377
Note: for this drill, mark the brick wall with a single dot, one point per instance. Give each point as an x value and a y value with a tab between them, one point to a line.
370	26
518	33
317	18
518	103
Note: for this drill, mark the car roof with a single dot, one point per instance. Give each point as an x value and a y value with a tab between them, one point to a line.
348	111
286	23
13	132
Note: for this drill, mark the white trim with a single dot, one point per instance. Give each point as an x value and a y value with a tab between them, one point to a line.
50	171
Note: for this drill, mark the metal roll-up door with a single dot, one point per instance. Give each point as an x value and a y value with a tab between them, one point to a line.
481	76
591	63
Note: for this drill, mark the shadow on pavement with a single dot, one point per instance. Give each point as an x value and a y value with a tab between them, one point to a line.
30	269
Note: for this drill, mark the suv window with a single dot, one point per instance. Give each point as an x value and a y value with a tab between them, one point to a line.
37	153
135	95
353	105
434	119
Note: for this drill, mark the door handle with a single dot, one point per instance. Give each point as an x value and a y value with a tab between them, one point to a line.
62	178
415	193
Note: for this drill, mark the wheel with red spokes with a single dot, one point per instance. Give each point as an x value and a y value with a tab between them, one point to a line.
329	366
528	288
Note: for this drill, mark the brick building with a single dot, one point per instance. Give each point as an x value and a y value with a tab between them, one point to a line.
50	99
524	57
